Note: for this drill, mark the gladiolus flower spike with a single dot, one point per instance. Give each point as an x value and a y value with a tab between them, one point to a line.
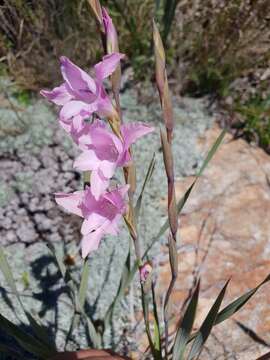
80	96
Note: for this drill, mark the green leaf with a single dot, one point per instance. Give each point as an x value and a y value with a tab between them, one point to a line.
185	197
64	273
126	278
157	336
146	180
128	274
145	306
38	329
84	284
4	266
237	304
168	16
212	152
59	261
11	352
185	326
78	310
26	341
207	325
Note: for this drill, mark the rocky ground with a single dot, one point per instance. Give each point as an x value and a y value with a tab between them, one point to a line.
226	217
224	234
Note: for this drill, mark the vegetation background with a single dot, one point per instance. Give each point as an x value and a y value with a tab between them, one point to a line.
215	48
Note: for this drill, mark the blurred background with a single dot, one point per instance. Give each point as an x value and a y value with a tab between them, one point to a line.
218	63
216	48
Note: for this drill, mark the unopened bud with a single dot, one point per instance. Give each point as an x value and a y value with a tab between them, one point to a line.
145	271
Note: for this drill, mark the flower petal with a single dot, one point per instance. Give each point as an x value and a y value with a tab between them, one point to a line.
73	108
117	198
133	131
91	241
99	184
77	79
123	189
87	160
59	95
107	168
105	106
70	202
93	222
103	144
108	65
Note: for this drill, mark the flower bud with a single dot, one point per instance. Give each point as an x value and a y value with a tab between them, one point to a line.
111	35
145	270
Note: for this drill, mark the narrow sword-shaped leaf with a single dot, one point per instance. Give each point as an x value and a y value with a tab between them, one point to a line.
180	206
207	325
185	197
146	180
145	306
168	16
185	327
38	329
26	341
11	352
73	292
236	305
84	283
126	278
157	336
59	262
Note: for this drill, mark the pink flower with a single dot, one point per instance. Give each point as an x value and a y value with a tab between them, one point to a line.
103	152
100	217
81	95
145	270
111	35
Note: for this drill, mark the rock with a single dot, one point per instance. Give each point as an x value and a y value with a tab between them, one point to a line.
224	233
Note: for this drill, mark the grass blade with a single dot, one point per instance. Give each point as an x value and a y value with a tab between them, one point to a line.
38	329
206	326
185	327
146	180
